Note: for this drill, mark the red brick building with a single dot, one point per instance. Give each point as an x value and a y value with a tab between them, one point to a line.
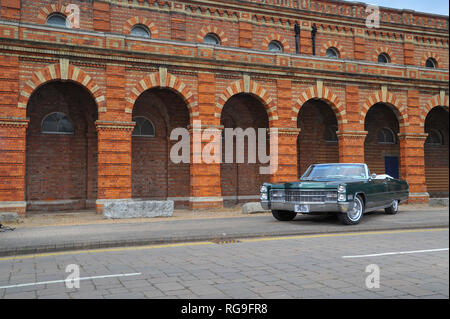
70	97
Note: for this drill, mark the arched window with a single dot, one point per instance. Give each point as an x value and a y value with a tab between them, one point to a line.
141	31
143	127
435	138
331	134
275	46
211	39
386	136
332	53
384	58
57	20
57	123
431	63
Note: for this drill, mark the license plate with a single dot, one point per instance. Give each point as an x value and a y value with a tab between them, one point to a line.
301	208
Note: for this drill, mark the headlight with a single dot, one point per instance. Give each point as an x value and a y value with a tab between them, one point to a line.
264	196
263	189
342	197
342	189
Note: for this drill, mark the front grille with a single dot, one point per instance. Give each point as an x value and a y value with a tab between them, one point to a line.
303	196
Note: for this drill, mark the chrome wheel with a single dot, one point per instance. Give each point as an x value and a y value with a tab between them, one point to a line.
357	210
393	209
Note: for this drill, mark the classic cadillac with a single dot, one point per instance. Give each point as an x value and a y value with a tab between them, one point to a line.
347	189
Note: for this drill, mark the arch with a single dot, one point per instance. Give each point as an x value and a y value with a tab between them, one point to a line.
386	50
430	54
333	44
161	79
44	12
154	33
276	37
210	29
251	87
386	97
66	72
321	92
437	100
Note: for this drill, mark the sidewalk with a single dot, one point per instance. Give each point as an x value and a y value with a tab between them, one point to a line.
41	233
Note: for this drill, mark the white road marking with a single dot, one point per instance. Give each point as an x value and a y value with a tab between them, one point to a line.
72	279
398	253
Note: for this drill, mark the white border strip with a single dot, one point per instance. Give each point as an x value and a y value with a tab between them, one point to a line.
71	280
397	253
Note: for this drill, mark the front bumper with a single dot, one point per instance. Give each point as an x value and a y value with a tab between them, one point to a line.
332	207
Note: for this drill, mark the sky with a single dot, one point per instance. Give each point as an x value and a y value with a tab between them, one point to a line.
430	6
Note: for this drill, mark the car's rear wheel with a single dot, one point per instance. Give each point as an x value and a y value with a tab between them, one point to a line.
355	213
393	209
283	216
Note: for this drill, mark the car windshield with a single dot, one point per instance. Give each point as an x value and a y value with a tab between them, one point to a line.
316	172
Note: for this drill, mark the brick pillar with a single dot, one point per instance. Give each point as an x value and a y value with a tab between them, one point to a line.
412	153
205	177
408	49
305	38
359	43
178	26
10	9
114	161
351	133
102	16
287	154
412	162
287	135
245	35
206	189
12	165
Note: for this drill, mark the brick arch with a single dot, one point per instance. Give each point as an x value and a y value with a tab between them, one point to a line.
428	55
44	12
62	71
385	97
162	79
276	37
333	44
325	94
212	29
437	100
386	50
154	33
250	87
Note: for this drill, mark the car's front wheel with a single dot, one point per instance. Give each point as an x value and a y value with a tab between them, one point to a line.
393	209
354	213
283	216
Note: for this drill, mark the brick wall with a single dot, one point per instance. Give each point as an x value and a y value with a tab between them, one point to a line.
61	167
314	118
380	116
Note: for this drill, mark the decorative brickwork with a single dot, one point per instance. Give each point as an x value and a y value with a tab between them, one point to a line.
154	33
173	80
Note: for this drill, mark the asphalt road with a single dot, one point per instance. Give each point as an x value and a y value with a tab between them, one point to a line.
410	264
42	239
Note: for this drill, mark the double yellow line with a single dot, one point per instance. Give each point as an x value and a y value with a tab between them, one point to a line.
204	243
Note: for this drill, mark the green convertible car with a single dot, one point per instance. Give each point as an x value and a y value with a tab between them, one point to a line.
346	189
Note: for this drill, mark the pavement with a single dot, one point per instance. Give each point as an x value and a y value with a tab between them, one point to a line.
31	240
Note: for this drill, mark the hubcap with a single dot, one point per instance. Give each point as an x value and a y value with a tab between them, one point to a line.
395	205
355	213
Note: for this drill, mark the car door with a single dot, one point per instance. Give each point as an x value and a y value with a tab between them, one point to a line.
376	193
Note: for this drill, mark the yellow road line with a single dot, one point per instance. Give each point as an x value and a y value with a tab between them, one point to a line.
204	243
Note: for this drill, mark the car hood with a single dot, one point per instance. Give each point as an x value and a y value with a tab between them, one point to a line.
322	184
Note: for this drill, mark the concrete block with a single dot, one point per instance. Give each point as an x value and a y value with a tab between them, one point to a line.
137	209
439	202
253	208
8	217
